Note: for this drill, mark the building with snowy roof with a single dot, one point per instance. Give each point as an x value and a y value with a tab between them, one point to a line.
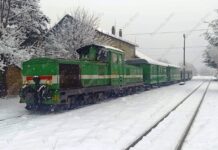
103	37
118	41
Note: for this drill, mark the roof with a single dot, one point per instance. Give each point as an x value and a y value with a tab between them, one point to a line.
149	60
142	58
172	65
69	18
56	28
116	37
103	46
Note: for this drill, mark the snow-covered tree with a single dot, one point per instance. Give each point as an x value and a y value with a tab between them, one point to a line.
189	66
22	25
211	52
211	56
73	31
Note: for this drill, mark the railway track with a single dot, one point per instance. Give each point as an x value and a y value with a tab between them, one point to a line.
188	128
183	137
4	123
14	117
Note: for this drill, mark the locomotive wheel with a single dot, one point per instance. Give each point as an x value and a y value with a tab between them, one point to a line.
28	107
86	98
68	105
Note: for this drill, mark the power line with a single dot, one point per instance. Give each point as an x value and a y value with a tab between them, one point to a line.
163	24
167	32
172	47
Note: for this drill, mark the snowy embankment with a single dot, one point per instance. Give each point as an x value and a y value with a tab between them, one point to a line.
167	134
109	125
203	78
204	133
10	107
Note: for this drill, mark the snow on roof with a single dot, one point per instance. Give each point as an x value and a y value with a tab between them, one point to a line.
172	65
104	46
110	47
116	37
141	55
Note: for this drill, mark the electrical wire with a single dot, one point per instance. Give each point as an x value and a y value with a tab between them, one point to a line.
167	32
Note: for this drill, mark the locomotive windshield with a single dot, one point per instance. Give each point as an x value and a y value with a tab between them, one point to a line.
94	53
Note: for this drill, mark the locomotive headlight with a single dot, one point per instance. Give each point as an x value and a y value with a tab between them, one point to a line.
26	82
48	82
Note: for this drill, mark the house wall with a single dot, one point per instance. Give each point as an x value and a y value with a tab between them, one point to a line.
128	48
13	79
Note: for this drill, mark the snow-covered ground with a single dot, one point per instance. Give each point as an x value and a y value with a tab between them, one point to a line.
204	133
10	107
203	78
110	125
167	134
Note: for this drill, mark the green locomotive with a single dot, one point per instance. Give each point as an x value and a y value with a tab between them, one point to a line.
99	73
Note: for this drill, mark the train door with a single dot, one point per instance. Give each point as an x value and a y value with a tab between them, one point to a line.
116	69
69	76
158	74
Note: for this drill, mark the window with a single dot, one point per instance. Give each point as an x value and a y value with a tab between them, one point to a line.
102	55
84	53
114	58
120	59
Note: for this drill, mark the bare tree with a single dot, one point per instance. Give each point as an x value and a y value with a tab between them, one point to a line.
74	31
189	67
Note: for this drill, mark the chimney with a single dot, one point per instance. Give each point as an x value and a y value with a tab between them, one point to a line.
120	33
113	31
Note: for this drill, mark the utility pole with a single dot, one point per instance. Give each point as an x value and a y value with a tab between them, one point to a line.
184	59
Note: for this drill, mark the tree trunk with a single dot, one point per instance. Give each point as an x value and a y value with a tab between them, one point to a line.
2	10
8	13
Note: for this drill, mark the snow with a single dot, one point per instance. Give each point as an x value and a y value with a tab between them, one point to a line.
10	107
141	55
26	23
110	125
204	133
167	134
211	52
203	78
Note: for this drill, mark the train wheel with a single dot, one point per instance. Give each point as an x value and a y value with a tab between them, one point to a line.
28	107
69	104
53	108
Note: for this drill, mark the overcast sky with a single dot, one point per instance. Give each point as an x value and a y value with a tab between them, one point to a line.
149	16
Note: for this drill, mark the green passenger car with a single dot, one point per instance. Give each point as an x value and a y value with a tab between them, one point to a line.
132	74
98	73
154	73
173	74
162	74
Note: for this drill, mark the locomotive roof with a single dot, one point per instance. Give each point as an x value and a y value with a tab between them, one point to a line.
102	46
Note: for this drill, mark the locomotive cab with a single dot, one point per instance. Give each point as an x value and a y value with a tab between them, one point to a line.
94	53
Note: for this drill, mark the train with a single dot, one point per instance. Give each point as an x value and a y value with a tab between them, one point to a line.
100	73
